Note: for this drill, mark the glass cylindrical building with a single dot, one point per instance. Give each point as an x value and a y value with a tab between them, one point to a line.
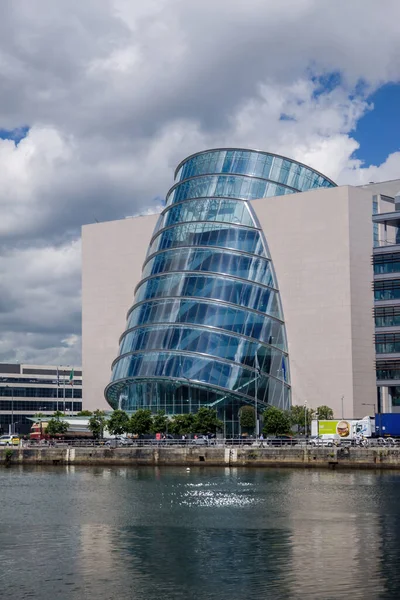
207	324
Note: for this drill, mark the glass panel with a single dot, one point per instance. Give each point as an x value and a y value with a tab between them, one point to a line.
208	209
226	186
238	320
212	260
246	162
240	350
209	234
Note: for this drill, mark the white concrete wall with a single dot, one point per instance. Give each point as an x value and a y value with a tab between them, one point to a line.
112	257
319	240
362	301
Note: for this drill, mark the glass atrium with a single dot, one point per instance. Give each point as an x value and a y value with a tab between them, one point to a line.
207	324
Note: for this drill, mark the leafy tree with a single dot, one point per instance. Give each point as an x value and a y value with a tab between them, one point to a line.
324	413
276	421
84	413
160	422
206	421
56	427
141	421
97	423
301	417
247	417
118	423
182	424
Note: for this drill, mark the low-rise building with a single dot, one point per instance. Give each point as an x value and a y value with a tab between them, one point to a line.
26	390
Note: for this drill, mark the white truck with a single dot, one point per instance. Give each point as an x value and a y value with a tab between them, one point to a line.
343	429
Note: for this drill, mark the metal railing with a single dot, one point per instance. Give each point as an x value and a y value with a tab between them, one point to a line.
213	442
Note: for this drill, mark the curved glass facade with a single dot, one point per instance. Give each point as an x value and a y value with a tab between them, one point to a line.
206	326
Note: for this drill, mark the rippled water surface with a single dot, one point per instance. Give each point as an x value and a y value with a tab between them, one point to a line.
105	533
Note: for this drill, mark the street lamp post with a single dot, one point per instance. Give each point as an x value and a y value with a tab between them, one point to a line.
342	407
256	405
11	426
305	418
258	370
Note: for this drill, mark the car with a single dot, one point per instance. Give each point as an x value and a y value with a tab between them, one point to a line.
119	441
323	440
9	440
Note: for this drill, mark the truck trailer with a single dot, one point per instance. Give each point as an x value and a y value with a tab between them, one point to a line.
387	424
346	429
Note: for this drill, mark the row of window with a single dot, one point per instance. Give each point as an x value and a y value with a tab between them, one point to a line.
238	320
39	405
387	290
386	263
388	374
265	166
37	392
179	398
209	234
387	343
36	380
387	316
223	210
215	343
228	186
214	287
218	261
197	368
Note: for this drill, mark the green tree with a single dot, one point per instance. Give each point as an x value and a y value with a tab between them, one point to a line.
276	421
118	423
160	422
206	421
56	427
324	413
247	417
84	413
141	421
182	424
97	424
301	417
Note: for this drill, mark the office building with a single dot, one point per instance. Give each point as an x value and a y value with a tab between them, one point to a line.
26	390
386	262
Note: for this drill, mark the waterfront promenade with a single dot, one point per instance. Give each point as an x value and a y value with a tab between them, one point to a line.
197	456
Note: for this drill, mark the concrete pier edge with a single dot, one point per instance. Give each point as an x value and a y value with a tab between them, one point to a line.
360	458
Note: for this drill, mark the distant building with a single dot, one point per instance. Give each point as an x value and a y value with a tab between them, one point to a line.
26	390
260	278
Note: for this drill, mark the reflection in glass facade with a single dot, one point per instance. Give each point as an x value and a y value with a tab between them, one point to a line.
207	326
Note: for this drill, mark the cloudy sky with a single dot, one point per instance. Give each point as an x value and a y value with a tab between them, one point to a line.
100	99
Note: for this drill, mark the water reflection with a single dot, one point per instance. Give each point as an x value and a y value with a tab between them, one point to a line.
207	533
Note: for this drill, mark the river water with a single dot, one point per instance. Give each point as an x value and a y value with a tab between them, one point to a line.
78	533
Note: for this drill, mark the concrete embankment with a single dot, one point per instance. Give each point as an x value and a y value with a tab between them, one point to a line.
373	458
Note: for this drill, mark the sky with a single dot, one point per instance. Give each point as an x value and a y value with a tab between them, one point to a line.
101	99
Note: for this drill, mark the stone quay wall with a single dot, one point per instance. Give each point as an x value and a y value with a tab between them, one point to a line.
373	458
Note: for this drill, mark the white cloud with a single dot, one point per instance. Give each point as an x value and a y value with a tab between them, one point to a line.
117	92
